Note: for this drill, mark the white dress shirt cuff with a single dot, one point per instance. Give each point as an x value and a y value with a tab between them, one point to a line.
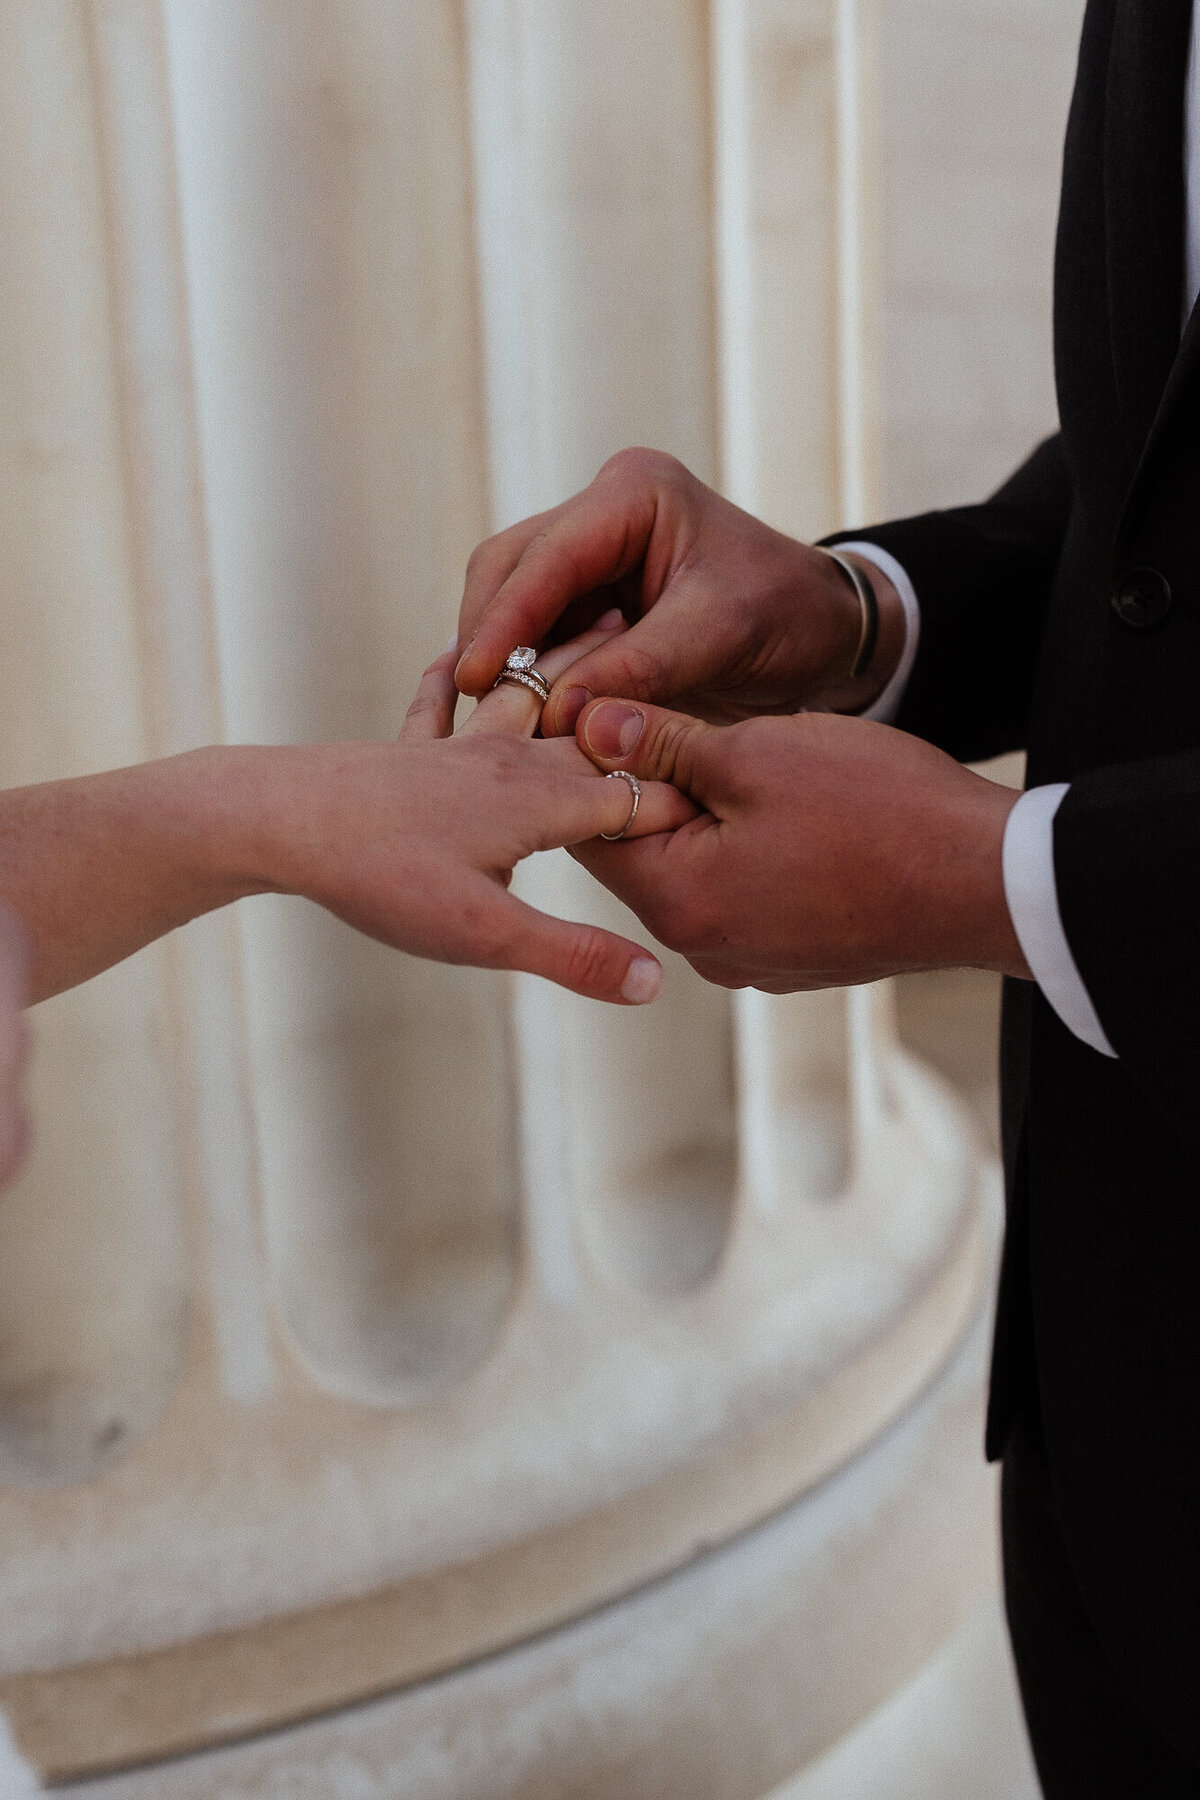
1032	895
885	708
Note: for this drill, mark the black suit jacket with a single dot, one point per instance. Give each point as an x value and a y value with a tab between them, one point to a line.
1063	616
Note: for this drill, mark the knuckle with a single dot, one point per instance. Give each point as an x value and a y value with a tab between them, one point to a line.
643	670
744	753
499	764
588	961
473	560
479	562
667	748
500	754
492	555
640	465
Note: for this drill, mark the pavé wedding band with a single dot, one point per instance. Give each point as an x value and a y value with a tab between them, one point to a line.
520	672
610	837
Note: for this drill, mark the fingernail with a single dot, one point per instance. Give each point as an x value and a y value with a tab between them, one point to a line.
451	645
570	707
462	659
643	981
613	728
610	620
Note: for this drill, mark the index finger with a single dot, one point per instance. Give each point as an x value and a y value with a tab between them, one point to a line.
489	566
589	542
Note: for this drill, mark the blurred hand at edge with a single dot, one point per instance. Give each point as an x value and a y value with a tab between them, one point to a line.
14	1042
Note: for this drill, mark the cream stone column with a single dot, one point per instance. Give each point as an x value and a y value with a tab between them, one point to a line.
361	1321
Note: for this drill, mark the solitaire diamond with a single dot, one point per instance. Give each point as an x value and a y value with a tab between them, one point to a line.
523	657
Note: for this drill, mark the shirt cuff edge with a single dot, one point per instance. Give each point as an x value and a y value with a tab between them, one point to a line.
1031	892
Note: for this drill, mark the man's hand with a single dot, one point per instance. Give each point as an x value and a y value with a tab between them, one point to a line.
730	618
14	1041
830	850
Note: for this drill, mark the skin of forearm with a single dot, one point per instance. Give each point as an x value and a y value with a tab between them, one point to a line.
99	866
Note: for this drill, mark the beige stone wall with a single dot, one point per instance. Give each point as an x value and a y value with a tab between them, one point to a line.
972	99
363	1322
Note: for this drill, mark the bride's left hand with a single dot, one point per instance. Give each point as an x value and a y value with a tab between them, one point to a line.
14	1042
415	843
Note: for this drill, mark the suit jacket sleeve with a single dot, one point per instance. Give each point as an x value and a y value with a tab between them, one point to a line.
1127	871
983	576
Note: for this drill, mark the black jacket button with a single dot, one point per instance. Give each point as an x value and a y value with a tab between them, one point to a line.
1142	599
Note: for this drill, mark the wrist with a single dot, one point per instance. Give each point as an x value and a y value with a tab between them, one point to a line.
183	828
967	888
254	829
101	865
215	822
295	818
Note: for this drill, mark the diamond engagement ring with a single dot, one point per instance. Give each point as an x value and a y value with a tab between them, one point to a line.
519	670
635	789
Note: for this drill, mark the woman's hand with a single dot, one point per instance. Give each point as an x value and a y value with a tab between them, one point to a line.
415	843
412	842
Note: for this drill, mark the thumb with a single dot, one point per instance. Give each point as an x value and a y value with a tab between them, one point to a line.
653	744
583	958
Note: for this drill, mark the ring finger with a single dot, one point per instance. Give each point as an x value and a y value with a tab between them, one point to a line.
514	708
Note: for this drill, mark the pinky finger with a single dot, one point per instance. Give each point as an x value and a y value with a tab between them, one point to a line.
431	714
583	958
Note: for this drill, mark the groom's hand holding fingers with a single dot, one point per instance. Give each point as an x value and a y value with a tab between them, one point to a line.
462	811
731	618
829	850
14	1041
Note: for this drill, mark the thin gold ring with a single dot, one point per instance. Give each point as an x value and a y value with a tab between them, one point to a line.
635	788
